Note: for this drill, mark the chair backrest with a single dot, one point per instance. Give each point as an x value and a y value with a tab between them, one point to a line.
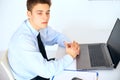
5	71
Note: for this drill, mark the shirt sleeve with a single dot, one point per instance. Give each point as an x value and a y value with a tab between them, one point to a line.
54	37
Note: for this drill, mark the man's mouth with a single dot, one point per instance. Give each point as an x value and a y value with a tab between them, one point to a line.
44	22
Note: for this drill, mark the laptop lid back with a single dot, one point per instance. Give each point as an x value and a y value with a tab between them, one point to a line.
113	43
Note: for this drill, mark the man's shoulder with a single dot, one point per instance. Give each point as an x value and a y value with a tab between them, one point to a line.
22	34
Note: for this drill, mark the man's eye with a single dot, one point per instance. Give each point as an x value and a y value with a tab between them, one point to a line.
48	13
40	13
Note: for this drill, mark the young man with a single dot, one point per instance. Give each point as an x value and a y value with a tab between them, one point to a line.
27	58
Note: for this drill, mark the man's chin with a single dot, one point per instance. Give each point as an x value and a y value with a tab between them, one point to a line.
44	27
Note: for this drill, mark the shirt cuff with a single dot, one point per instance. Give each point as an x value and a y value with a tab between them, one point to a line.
69	57
68	60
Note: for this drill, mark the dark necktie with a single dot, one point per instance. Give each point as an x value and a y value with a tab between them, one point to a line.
41	47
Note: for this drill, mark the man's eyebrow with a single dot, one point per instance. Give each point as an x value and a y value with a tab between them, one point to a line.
43	11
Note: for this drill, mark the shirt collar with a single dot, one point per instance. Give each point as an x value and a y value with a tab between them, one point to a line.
35	32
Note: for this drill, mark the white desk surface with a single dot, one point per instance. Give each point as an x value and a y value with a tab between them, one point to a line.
103	74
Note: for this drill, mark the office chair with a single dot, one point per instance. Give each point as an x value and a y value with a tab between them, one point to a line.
5	72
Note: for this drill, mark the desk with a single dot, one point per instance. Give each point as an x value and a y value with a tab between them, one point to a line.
103	74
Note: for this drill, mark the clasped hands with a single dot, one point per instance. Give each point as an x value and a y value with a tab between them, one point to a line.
73	49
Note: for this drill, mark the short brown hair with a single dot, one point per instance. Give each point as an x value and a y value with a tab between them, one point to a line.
31	3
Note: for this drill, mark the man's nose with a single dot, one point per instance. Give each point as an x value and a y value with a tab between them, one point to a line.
45	16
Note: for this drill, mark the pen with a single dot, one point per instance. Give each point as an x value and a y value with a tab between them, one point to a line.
52	77
97	74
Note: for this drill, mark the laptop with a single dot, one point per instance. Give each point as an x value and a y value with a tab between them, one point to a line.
101	55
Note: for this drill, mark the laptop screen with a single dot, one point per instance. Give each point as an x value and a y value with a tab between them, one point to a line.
113	43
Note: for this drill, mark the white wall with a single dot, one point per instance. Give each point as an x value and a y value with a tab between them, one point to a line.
12	13
81	20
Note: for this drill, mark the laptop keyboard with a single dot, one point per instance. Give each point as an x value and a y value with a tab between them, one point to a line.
96	55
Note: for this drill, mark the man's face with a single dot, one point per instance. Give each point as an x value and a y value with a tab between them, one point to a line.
39	16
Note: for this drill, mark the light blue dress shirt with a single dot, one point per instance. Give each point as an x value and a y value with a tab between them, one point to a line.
24	57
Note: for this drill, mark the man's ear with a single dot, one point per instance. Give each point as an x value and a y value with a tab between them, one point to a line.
29	14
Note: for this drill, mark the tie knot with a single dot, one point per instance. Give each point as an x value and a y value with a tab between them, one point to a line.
38	35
